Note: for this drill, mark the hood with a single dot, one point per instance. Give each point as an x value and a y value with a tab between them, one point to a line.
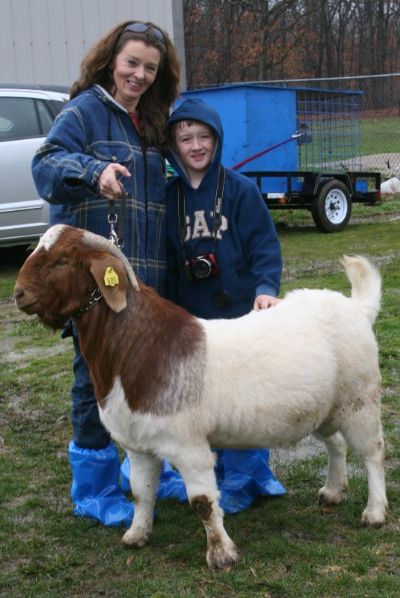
196	109
106	97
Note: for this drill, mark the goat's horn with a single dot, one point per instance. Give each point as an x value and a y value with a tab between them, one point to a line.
98	242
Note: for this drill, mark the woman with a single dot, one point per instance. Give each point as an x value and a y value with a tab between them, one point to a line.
107	145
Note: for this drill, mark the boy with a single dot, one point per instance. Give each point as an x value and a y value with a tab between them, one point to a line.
224	260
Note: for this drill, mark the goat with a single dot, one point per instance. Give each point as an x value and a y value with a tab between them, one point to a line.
391	185
169	385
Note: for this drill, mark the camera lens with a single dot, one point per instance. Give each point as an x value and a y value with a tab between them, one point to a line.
201	268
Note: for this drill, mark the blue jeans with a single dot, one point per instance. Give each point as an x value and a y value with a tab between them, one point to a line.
88	430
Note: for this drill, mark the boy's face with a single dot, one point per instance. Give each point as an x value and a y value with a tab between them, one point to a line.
195	144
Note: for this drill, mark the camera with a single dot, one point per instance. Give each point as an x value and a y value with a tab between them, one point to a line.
201	267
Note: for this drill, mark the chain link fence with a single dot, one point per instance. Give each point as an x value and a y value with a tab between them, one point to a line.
371	132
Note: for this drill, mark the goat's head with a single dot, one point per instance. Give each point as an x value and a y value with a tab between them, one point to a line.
68	265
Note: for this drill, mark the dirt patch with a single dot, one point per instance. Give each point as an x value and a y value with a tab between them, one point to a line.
326	267
387	164
306	448
10	318
373	217
13	356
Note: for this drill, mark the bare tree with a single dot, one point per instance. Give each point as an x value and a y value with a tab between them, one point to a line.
242	40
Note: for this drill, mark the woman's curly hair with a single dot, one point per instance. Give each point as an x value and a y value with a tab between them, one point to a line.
154	105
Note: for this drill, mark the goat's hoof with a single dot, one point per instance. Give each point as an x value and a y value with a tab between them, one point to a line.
133	538
222	558
330	497
373	518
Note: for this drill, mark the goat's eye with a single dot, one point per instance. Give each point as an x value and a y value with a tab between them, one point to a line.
62	262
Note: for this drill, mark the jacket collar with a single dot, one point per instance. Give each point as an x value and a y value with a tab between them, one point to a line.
107	98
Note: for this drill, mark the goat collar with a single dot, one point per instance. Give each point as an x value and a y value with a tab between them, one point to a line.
93	299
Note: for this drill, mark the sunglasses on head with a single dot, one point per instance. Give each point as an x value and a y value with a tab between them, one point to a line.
142	27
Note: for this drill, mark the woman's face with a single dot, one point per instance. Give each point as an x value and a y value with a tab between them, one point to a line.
135	69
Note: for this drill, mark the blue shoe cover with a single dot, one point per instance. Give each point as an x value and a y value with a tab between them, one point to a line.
125	473
171	483
219	465
246	476
95	490
242	475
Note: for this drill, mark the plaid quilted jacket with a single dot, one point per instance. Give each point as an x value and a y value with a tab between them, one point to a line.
92	131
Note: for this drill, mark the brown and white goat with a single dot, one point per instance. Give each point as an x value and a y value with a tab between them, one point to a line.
169	385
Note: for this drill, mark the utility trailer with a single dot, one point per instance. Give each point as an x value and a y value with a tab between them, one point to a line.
303	144
327	195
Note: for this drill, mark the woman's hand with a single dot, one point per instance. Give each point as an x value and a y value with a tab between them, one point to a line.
264	302
109	185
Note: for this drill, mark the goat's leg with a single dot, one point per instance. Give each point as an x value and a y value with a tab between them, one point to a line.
363	432
373	456
336	481
375	512
198	474
144	478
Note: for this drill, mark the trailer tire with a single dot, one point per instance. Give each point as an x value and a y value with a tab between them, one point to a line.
331	209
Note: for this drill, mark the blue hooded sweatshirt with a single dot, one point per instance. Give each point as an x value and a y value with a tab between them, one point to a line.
247	248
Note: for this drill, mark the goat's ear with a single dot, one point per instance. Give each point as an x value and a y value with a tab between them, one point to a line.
110	276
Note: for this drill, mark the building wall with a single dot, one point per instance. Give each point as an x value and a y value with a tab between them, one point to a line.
43	41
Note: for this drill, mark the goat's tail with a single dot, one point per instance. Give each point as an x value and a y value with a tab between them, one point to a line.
365	284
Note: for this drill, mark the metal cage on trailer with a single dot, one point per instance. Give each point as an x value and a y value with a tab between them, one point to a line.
304	142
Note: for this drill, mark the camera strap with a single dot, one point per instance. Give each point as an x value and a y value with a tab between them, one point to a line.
217	212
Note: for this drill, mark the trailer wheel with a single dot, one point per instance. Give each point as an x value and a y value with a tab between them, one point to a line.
331	209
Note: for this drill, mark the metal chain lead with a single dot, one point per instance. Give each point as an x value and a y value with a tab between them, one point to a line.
112	219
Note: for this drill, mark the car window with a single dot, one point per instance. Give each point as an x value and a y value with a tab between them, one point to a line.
46	118
56	106
5	126
18	118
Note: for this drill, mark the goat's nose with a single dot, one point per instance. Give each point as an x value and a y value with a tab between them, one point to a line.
18	293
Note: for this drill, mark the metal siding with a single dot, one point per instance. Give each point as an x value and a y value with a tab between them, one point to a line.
179	36
271	120
8	64
254	118
75	44
41	43
17	30
44	41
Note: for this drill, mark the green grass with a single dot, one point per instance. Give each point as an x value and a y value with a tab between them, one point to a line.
380	135
290	546
388	208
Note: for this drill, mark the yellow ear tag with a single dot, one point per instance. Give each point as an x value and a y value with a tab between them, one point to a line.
110	277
